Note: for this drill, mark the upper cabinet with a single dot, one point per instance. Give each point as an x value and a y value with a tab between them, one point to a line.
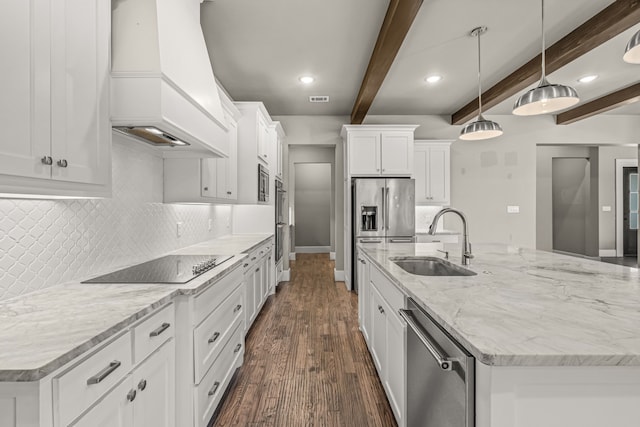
279	150
55	98
432	172
210	180
256	142
379	150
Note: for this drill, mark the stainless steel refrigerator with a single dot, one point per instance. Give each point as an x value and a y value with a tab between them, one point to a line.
383	211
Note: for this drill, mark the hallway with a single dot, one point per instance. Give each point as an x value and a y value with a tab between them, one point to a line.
306	363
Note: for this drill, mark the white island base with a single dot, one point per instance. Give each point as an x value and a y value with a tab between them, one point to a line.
557	396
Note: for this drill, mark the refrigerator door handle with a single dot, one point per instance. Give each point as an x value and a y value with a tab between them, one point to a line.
383	223
387	209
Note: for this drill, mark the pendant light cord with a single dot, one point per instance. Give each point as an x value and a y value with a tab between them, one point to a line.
543	80
479	80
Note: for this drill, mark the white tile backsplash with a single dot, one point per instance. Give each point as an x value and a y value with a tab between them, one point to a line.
47	242
424	217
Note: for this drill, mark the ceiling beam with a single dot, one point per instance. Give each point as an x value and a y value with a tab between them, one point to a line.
396	24
605	25
619	98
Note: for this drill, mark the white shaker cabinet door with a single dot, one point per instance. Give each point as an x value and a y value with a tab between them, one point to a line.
364	153
154	382
395	375
24	88
439	174
114	410
397	153
209	178
80	125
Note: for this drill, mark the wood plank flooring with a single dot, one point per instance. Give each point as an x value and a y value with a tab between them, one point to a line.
306	362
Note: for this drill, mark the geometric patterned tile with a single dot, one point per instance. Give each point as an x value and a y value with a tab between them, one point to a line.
48	242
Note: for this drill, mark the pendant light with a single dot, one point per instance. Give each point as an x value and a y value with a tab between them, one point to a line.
481	128
632	52
547	97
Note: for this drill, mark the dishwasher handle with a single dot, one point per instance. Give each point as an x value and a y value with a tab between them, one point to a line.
445	363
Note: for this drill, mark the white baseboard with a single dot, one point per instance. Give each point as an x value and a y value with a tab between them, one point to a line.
292	256
338	275
608	253
332	255
285	276
313	249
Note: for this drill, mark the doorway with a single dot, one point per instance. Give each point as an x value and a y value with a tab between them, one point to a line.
630	211
312	206
570	204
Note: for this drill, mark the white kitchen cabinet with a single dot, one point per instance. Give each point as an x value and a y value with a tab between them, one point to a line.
385	334
256	141
364	309
114	410
259	277
55	103
279	150
432	172
210	180
379	150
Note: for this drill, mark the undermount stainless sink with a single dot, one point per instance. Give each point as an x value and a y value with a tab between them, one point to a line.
430	266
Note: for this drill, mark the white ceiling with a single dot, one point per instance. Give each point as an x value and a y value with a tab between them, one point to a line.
258	56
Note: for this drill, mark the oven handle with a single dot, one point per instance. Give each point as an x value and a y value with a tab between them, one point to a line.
444	362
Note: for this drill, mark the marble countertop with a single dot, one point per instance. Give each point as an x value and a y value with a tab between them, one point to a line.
439	232
528	307
44	330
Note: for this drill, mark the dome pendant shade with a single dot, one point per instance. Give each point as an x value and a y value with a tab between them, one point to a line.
544	99
632	52
480	129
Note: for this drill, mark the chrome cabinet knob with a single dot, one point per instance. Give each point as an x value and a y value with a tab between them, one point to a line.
229	192
47	160
62	163
131	396
206	188
142	385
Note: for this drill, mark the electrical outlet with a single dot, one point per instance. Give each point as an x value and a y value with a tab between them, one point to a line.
606	209
179	228
513	209
210	224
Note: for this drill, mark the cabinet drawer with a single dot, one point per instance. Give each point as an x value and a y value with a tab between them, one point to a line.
210	336
387	290
78	388
212	387
208	300
152	332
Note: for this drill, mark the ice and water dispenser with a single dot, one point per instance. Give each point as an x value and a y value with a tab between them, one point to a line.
369	221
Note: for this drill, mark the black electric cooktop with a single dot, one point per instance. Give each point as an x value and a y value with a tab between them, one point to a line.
170	269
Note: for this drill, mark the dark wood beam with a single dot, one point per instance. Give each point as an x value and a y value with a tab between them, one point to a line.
396	24
608	23
625	96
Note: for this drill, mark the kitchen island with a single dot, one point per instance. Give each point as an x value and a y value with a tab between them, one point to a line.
556	338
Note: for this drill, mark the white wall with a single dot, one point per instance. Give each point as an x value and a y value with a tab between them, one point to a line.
46	242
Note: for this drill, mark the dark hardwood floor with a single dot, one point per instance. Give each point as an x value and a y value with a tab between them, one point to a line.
306	362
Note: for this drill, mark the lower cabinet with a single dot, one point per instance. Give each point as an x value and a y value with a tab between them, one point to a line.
259	281
145	398
384	332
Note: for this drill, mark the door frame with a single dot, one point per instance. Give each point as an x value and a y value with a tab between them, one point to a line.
620	164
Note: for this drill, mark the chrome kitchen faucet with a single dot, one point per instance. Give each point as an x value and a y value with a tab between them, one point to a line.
466	245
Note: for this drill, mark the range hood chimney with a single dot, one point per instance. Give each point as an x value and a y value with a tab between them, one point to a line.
163	89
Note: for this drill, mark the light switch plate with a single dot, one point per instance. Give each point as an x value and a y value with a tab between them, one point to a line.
179	228
606	209
513	209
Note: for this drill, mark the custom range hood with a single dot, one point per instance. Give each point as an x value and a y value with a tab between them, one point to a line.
163	91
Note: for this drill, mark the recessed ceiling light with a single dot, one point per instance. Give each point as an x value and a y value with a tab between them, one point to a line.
307	80
433	79
588	79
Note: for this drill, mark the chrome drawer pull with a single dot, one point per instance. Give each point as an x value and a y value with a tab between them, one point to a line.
380	309
131	396
214	338
253	259
214	388
160	330
142	385
238	307
444	363
237	349
100	376
257	269
246	265
62	163
47	160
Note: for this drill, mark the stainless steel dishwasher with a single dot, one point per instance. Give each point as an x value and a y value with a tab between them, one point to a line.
440	374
